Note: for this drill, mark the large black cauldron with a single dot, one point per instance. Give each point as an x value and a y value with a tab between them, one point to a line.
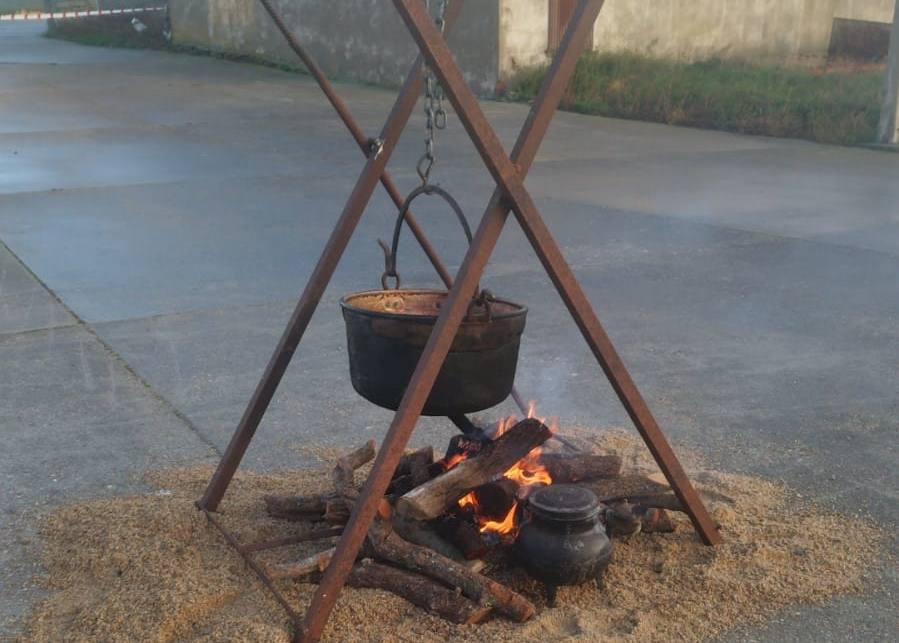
386	333
388	329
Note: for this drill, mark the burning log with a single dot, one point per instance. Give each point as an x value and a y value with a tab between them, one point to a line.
387	546
463	445
430	500
418	590
575	467
495	499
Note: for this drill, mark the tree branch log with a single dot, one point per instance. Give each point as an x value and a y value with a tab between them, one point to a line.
625	487
574	467
344	480
305	567
387	546
295	507
418	590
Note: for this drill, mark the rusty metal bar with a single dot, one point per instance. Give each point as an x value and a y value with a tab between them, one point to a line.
505	173
448	322
256	567
318	281
356	132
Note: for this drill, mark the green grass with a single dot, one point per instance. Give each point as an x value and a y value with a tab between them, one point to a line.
836	107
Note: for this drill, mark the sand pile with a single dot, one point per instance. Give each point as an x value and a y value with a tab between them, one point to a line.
150	568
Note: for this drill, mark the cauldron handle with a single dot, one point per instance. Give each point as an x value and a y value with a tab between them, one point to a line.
390	254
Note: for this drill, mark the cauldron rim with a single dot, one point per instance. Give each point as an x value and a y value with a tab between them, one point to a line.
501	308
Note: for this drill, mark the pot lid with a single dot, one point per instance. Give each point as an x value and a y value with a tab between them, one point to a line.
564	502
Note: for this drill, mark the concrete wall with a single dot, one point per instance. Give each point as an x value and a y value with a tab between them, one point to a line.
872	10
769	30
365	39
524	30
362	40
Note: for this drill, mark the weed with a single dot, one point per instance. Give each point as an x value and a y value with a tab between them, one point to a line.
832	107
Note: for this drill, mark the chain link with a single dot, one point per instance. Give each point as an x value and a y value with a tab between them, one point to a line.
435	114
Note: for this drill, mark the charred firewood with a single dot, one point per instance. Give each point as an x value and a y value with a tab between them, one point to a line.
463	534
495	499
427	535
386	545
418	590
430	500
415	464
464	445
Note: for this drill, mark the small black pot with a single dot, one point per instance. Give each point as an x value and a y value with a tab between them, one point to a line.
563	541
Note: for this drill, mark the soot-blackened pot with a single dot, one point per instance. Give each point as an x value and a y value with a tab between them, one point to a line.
562	541
388	329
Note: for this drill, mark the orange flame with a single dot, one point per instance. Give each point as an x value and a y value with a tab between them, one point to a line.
526	472
505	526
454	459
504	425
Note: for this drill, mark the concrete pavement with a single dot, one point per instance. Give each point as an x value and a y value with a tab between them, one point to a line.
160	213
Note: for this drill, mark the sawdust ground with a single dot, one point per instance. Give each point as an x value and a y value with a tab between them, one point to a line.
149	568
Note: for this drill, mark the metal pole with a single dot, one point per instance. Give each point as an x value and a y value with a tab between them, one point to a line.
450	317
315	288
888	132
505	173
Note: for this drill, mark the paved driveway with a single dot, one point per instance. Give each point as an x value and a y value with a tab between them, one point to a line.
160	213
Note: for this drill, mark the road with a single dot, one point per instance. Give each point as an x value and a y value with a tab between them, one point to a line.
159	215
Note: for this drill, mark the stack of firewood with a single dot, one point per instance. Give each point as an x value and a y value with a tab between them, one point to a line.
428	549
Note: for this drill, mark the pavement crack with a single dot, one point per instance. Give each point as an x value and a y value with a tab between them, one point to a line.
205	439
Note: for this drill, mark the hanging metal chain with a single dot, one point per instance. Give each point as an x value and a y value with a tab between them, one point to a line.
435	114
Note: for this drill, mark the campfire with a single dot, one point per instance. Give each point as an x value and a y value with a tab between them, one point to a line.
494	507
497	489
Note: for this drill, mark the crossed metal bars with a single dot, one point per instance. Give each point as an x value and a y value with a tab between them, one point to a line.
510	195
